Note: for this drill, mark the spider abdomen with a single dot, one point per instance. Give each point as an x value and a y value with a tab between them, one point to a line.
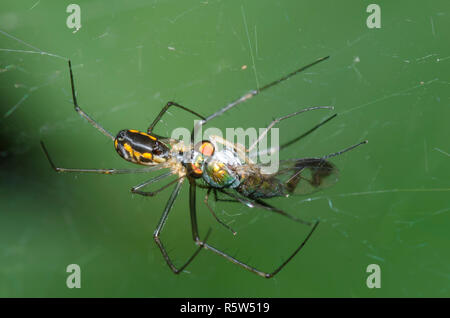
141	148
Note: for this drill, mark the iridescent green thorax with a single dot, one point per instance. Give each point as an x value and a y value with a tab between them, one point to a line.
220	170
218	175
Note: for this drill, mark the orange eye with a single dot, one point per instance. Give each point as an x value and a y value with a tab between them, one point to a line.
206	148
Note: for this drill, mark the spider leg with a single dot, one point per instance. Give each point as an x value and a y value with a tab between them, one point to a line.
153	193
287	144
263	205
160	226
203	244
249	95
294	140
81	112
100	171
214	214
345	150
164	110
217	199
277	120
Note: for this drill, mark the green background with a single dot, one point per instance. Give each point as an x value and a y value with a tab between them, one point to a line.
388	85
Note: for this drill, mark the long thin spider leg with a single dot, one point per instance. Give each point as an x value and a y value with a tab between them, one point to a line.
277	120
296	139
100	171
217	199
250	95
81	112
245	201
295	252
214	214
287	144
276	210
135	189
153	193
164	110
263	205
203	244
160	226
345	150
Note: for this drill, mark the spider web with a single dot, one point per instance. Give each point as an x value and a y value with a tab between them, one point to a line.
404	219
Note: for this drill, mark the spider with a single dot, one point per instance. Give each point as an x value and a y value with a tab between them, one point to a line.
225	171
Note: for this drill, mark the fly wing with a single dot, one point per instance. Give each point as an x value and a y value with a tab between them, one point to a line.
304	176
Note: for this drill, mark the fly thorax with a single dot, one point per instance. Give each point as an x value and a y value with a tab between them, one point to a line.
220	169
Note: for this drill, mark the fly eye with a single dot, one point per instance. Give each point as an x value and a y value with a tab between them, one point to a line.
205	147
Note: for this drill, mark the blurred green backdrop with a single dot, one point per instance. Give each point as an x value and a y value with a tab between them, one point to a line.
389	85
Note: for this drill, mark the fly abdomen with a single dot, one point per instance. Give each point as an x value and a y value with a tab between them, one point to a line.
257	186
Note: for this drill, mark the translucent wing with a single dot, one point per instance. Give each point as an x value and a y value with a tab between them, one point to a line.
294	177
304	176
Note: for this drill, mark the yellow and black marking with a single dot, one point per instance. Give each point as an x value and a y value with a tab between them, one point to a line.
141	148
133	131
